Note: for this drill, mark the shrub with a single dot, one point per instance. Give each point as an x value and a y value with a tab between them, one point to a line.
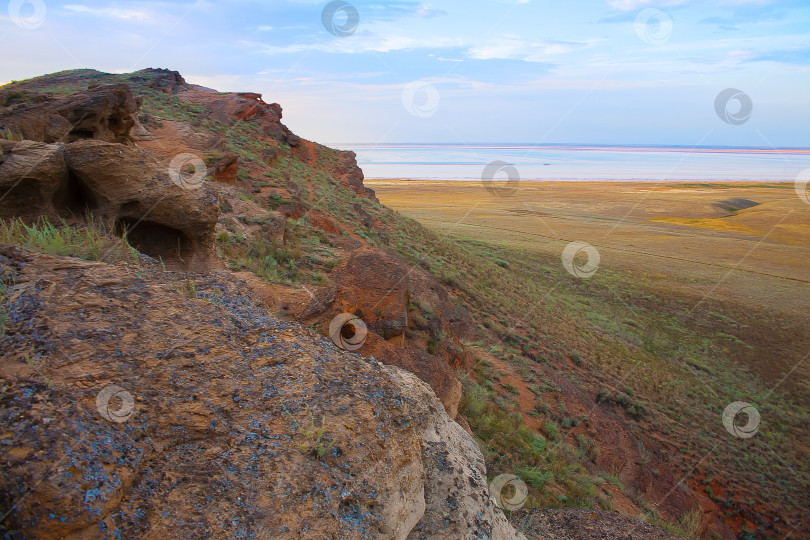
535	477
603	395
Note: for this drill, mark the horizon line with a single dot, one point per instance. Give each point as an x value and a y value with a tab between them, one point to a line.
576	145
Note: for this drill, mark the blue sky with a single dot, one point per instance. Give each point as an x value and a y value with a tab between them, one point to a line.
457	71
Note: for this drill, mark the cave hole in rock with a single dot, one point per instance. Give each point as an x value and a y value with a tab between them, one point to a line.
120	124
74	198
155	239
80	133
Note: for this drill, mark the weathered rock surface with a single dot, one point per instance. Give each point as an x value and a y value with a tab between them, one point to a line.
32	175
123	185
376	286
352	175
457	499
131	187
241	425
106	112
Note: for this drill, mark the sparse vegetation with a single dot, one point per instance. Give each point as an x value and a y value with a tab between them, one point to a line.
645	358
316	442
93	241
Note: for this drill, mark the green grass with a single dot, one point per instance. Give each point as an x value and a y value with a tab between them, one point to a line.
687	526
509	447
93	242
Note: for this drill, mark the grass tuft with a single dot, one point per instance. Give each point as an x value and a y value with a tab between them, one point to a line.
92	242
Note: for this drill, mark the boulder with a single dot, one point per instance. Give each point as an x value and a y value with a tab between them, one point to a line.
107	112
457	500
349	173
226	169
375	285
145	412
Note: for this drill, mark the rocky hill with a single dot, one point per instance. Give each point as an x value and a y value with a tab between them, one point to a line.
187	387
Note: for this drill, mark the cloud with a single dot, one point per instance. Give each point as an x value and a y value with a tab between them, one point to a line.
126	14
360	44
426	11
394	11
633	5
797	57
515	48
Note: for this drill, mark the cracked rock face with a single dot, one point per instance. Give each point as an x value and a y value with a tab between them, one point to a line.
134	409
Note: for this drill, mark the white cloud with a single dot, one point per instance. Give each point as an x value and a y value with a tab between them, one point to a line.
516	48
126	14
632	5
426	10
358	44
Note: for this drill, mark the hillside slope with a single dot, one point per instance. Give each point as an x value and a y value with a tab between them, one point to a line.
213	184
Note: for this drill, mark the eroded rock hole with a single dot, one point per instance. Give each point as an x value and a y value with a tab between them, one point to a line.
155	240
81	133
74	198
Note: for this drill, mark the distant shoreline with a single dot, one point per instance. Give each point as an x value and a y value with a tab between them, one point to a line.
582	163
683	183
586	147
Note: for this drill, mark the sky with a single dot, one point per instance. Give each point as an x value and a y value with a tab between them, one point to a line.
682	72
